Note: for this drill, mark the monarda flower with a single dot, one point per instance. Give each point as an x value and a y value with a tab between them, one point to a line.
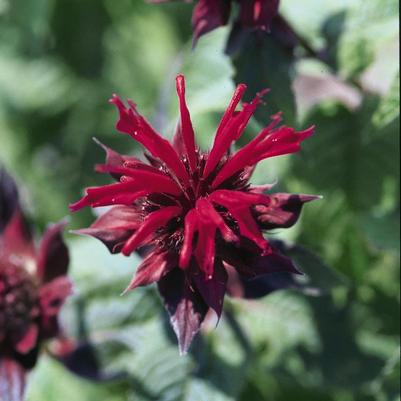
33	287
211	14
194	213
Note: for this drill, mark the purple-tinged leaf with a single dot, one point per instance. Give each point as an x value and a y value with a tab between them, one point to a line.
114	227
252	264
255	288
185	306
208	15
214	289
283	210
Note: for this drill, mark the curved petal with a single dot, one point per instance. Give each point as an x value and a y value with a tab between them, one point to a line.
53	256
115	159
152	269
185	128
149	226
114	227
28	341
133	124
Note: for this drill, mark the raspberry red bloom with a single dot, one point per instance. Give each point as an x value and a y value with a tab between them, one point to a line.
33	287
194	212
211	14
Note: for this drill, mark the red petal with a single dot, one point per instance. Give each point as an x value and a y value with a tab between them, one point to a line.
138	128
149	226
152	269
53	255
209	214
143	183
268	143
114	158
12	380
28	342
231	132
205	247
239	204
206	221
185	128
229	113
190	227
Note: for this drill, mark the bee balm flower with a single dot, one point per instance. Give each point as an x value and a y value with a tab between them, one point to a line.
33	287
195	212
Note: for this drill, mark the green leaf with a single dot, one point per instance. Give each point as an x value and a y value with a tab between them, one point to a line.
201	390
383	231
320	278
367	29
343	156
264	63
389	107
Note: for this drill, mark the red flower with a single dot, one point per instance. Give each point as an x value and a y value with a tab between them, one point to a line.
211	14
195	213
33	287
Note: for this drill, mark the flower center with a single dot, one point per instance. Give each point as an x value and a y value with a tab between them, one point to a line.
18	300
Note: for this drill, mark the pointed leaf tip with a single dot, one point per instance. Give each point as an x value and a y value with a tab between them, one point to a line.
185	306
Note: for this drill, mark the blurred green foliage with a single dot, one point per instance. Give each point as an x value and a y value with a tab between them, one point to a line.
60	60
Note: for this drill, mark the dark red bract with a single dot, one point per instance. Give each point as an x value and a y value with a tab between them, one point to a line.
33	287
211	14
195	213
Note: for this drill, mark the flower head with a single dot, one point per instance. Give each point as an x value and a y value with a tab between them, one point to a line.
195	212
33	287
211	14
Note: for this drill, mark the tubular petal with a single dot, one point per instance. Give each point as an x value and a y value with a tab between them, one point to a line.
190	226
231	132
186	129
151	223
229	113
283	140
152	269
238	204
138	128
